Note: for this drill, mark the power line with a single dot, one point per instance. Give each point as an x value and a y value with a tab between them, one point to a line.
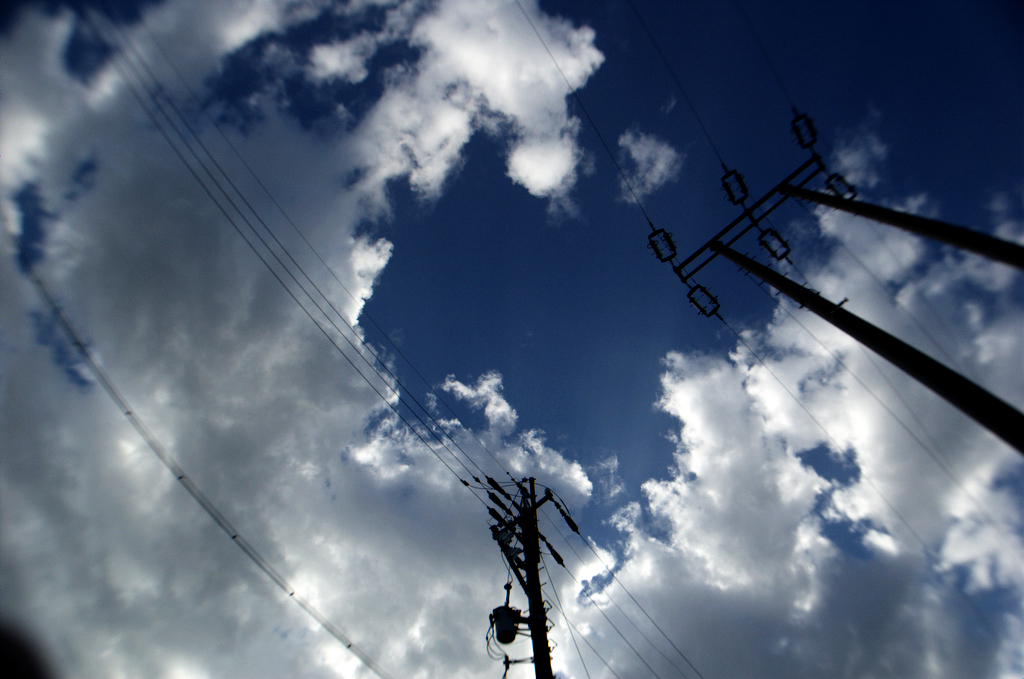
561	610
848	455
931	450
633	598
186	481
600	610
676	80
576	96
397	394
764	53
288	218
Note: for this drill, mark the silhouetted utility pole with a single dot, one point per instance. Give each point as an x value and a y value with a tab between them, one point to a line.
991	412
516	519
957	236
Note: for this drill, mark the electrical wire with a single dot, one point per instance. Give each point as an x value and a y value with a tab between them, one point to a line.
967	368
850	458
295	227
930	450
618	631
581	635
676	80
586	113
616	604
764	53
186	481
572	635
184	140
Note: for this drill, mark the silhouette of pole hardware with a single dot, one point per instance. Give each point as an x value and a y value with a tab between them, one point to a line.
751	218
989	411
517	535
957	236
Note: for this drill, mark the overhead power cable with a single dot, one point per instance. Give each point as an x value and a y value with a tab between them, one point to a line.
764	53
926	550
619	607
572	633
160	106
676	80
296	228
931	450
576	96
189	485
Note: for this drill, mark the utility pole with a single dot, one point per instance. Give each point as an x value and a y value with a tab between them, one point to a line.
957	236
537	620
991	412
517	534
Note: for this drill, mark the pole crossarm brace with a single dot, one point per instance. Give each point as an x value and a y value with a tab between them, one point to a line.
957	236
766	204
989	411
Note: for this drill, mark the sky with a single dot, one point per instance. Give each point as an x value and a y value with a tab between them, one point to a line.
249	209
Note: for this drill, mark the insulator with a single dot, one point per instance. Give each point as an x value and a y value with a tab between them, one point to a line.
712	307
838	185
506	624
664	247
494	498
568	520
504	535
775	244
511	552
496	516
497	487
556	556
804	131
735	187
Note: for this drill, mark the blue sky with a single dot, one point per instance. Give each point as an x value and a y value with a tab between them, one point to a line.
434	157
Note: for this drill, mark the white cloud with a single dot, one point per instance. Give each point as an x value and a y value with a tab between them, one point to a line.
544	167
744	522
486	394
482	63
345	60
107	562
651	163
117	572
861	155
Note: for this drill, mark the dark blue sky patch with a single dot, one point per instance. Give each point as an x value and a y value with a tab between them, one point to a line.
85	52
65	356
242	75
594	585
33	214
838	470
257	73
848	536
124	12
82	179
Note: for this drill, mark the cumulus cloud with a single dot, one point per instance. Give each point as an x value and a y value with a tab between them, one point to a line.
650	163
527	453
482	67
107	562
345	60
829	524
749	553
486	394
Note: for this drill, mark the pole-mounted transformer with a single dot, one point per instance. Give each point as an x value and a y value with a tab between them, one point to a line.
516	533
